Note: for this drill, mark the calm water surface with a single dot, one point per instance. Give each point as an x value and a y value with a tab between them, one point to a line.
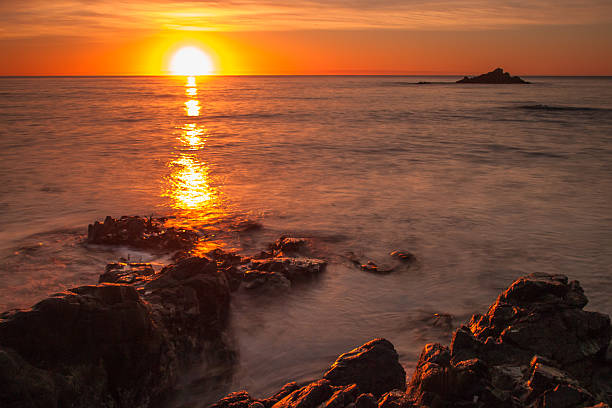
482	183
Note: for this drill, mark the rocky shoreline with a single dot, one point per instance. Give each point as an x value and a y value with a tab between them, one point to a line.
124	341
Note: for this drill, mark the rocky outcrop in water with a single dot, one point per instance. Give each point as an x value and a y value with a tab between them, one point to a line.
111	345
535	347
123	342
142	233
497	76
358	377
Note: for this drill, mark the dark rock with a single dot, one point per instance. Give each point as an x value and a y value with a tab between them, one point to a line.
395	399
343	397
366	401
373	268
286	390
374	367
126	272
294	269
137	232
404	256
239	399
497	76
254	279
107	345
310	396
534	347
565	396
289	247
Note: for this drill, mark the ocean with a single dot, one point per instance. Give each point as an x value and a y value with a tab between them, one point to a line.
482	183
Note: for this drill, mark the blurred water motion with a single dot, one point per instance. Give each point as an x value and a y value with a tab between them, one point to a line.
481	183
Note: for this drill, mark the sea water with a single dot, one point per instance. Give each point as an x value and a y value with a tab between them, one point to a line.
482	183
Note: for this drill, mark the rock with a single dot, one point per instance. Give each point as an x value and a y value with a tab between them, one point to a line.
286	390
75	332
310	396
343	397
373	268
366	401
395	399
126	272
108	344
289	247
239	399
497	76
294	269
404	256
254	279
374	367
141	233
191	298
535	347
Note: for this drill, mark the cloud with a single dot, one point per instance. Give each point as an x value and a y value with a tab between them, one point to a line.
35	18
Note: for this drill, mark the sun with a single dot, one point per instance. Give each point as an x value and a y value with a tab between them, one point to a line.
191	61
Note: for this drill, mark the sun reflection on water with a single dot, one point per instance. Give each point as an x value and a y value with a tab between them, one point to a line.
188	186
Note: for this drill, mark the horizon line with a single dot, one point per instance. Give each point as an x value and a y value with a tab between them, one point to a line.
278	75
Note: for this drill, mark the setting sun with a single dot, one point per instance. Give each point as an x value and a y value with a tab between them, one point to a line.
191	61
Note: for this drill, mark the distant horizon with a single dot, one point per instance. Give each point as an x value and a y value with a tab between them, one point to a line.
287	75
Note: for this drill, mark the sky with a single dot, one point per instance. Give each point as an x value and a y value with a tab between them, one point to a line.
246	37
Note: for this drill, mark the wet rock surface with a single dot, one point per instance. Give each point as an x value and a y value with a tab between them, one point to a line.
356	379
142	233
535	347
124	341
497	76
110	344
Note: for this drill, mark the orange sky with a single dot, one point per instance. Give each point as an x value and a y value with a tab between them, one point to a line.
113	37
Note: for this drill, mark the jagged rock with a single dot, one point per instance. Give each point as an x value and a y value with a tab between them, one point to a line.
289	247
366	401
286	390
294	269
309	396
239	399
497	76
343	397
265	280
535	347
109	345
137	232
395	399
126	272
374	367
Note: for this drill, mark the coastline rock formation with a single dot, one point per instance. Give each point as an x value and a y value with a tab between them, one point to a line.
111	345
535	347
124	341
142	233
497	76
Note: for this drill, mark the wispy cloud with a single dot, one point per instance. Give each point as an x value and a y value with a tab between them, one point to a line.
34	18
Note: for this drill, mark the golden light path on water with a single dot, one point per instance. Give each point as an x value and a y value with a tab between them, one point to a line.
188	186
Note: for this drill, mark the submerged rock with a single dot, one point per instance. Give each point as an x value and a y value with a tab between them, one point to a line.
497	76
142	233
